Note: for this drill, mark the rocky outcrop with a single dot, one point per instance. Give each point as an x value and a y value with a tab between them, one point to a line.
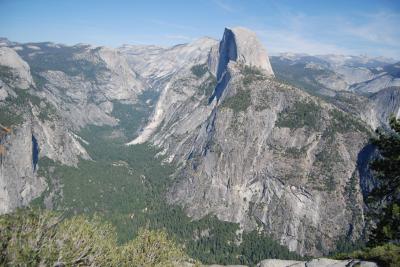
376	84
250	149
322	262
381	106
46	115
167	72
375	109
365	87
28	141
15	69
327	74
252	158
19	183
158	63
115	79
242	46
238	45
246	167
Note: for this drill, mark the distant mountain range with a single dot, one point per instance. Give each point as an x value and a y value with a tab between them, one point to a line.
328	74
277	145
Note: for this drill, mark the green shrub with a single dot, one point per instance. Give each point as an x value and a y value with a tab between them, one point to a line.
239	102
10	116
207	88
127	185
152	248
199	70
386	196
7	74
387	255
342	122
300	114
61	59
251	74
43	238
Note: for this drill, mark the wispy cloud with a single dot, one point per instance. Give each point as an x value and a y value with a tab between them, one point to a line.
179	37
278	41
225	6
365	33
172	25
381	28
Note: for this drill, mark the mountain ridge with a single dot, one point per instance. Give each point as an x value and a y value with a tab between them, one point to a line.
250	148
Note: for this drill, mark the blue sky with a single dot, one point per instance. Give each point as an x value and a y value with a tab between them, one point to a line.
314	27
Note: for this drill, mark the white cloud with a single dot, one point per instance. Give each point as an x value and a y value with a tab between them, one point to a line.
172	25
278	41
381	27
223	5
179	37
375	34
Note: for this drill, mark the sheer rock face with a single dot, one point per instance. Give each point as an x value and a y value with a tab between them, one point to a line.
239	46
18	181
321	262
250	51
243	164
158	63
242	46
19	68
33	139
117	81
244	167
381	106
262	153
71	95
328	74
165	70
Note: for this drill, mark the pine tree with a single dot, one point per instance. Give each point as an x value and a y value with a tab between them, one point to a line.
387	193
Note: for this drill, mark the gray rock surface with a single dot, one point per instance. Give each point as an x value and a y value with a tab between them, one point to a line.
322	262
19	68
249	50
55	109
244	167
381	106
158	63
338	73
242	46
377	83
251	149
19	183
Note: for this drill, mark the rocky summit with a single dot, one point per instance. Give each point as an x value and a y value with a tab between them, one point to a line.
208	133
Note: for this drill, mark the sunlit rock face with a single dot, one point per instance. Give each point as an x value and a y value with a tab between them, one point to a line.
241	163
242	46
250	149
12	64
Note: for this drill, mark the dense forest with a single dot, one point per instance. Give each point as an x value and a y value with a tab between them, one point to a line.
126	187
45	238
383	245
115	203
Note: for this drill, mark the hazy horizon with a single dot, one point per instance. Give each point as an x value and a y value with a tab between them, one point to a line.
311	27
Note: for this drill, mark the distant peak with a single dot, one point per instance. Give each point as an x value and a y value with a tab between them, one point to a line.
243	46
238	45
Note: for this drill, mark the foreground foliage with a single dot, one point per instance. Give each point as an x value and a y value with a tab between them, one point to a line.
127	186
384	202
44	238
387	193
387	255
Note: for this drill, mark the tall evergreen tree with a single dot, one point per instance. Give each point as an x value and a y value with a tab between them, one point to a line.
387	193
